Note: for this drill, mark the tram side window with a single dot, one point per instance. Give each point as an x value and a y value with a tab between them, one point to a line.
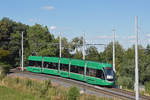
77	69
31	63
91	72
74	69
50	65
100	74
81	70
46	64
35	63
64	67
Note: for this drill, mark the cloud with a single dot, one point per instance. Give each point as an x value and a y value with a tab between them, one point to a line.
48	8
53	28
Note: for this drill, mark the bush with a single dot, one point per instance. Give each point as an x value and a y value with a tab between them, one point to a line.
5	68
126	82
28	83
74	93
147	87
17	80
47	84
2	77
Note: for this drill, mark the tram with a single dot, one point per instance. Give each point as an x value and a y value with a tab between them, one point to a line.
82	70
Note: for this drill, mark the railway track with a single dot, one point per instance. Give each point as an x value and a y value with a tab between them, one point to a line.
111	92
131	93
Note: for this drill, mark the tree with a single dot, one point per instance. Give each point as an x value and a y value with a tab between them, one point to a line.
39	40
77	55
76	43
92	54
147	87
65	48
4	54
76	47
127	68
6	28
107	55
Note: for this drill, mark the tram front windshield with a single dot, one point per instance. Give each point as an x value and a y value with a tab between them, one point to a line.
109	73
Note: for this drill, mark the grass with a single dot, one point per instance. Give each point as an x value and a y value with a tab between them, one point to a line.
18	88
11	94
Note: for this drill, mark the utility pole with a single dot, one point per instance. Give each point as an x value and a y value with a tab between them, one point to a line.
136	60
22	51
60	44
20	57
83	48
113	30
59	51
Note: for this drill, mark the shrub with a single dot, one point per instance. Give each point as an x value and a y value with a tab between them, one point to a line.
28	83
74	93
47	84
17	80
126	82
2	77
5	68
147	87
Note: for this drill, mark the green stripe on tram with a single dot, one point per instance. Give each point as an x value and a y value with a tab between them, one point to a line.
51	59
77	62
35	58
64	60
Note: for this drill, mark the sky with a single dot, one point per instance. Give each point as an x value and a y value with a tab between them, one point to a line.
96	18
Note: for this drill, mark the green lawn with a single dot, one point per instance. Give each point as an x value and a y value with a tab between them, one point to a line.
10	94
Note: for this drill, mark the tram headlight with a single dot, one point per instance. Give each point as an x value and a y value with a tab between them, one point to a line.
109	77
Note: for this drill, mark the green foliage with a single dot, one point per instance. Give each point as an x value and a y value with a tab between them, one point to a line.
126	82
147	87
106	56
38	41
17	80
5	68
47	84
4	53
76	46
41	39
6	27
11	94
2	77
78	55
28	83
27	89
91	97
10	40
92	54
74	93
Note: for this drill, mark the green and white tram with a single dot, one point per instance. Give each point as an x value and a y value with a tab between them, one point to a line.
83	70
